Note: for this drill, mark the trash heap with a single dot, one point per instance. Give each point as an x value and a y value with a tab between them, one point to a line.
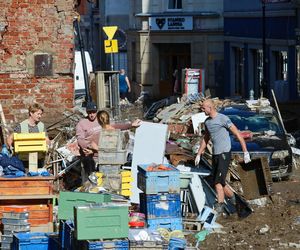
176	200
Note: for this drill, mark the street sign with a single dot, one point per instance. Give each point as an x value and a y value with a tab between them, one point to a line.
111	46
110	31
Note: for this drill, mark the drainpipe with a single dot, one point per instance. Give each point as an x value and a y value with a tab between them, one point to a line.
84	67
264	82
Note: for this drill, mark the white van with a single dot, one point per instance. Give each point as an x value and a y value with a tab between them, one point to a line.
78	74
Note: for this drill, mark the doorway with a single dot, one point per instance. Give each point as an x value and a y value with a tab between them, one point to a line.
172	59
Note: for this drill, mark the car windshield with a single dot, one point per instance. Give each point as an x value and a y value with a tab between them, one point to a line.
256	122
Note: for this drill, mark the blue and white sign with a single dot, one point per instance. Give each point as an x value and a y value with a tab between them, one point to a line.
171	23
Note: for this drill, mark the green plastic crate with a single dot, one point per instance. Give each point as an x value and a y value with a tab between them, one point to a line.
67	201
101	221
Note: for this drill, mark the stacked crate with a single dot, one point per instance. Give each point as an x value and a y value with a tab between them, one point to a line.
112	147
98	226
101	226
112	155
37	241
14	219
67	201
126	186
160	201
121	178
92	221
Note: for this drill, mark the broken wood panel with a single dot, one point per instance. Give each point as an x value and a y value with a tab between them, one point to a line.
177	128
255	178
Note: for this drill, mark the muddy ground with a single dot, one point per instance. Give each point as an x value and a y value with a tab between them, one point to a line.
273	226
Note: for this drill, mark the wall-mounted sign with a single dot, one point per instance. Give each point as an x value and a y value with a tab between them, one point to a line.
171	23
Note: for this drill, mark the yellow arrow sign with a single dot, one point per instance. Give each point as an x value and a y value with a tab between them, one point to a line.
110	31
111	46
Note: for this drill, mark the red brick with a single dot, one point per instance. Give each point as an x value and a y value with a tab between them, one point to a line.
23	35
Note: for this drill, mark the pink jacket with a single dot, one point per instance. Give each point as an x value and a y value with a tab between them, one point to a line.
87	131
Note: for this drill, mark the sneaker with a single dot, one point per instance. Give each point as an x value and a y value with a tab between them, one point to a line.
219	207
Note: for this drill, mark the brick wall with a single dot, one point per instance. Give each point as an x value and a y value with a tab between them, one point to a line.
35	27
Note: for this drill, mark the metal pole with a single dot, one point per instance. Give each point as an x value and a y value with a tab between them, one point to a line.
111	62
84	67
278	111
263	86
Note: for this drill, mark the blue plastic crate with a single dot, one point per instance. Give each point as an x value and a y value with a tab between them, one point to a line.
169	223
118	244
160	205
154	182
54	243
29	241
66	233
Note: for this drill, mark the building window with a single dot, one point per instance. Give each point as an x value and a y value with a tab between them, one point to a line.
239	71
281	65
175	4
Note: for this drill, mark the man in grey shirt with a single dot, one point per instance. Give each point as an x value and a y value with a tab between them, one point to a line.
217	129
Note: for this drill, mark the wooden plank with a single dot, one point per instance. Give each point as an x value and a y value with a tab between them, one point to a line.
33	178
40	214
38	221
16	184
22	197
33	162
25	191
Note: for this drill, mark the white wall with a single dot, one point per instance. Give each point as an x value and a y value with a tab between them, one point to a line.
159	6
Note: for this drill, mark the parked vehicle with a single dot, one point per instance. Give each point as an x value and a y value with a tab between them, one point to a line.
266	137
78	74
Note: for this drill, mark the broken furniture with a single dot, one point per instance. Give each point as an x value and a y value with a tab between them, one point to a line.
255	178
31	144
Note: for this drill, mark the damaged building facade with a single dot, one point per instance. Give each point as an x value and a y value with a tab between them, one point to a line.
36	57
172	35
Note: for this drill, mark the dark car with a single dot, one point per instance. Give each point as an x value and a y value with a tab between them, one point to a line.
267	137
